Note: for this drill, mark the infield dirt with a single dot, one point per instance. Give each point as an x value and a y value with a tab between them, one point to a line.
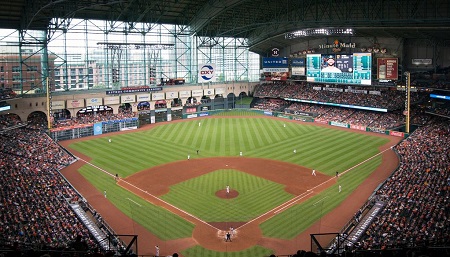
211	235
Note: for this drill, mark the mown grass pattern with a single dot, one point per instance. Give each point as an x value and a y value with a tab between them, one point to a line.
325	149
198	251
256	195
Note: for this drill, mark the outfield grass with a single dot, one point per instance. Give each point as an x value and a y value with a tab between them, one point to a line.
238	112
324	149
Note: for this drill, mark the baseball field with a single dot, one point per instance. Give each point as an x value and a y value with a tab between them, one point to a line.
171	190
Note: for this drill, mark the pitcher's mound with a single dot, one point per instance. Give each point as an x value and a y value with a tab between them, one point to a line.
223	194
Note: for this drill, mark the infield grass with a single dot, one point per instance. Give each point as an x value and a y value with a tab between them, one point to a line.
256	195
324	149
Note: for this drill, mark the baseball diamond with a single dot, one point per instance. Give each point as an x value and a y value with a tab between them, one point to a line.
262	224
198	128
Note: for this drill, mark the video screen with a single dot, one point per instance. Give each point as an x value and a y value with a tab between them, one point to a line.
353	68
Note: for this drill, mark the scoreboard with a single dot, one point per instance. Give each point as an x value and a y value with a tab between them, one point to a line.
353	68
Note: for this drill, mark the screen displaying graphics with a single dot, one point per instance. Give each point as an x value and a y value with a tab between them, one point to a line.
353	68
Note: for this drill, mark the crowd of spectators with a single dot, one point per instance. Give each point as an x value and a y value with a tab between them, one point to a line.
268	104
374	97
438	79
34	195
91	118
380	120
373	119
416	215
9	120
417	195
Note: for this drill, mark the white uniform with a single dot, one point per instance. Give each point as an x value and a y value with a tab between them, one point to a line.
157	250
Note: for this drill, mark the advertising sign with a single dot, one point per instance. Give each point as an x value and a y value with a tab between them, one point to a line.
387	68
143	98
128	98
110	100
157	96
206	73
94	101
171	95
208	91
75	103
197	92
185	94
58	105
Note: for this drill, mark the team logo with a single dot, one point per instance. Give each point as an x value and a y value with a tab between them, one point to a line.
207	72
275	52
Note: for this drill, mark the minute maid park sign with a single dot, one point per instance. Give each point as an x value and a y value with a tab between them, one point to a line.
337	44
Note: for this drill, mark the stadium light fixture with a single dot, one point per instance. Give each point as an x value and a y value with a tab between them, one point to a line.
319	32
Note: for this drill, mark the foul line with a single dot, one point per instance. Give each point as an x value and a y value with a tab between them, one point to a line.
294	200
133	202
275	210
157	198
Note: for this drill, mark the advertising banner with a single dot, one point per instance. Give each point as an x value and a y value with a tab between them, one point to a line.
75	103
298	67
128	99
171	95
197	92
338	124
206	73
298	62
143	98
396	133
208	92
422	61
185	94
110	100
94	101
275	62
376	130
133	90
58	105
387	68
98	128
358	127
298	71
157	96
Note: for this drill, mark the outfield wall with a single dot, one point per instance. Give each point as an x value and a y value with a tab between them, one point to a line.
84	130
305	117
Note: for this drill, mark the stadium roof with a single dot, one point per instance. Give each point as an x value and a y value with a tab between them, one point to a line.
263	22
